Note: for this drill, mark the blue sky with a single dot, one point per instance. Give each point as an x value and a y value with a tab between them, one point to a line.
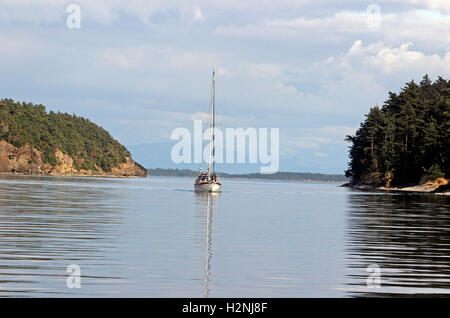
142	68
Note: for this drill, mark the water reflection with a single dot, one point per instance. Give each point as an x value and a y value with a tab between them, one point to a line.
206	203
47	224
144	237
408	236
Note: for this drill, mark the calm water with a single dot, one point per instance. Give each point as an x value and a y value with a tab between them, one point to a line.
155	237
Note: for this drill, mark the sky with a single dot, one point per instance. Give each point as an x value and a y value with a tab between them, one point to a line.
140	69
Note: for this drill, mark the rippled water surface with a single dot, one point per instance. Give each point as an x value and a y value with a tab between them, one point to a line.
155	237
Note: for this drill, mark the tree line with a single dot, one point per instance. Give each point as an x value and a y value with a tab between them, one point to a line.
287	176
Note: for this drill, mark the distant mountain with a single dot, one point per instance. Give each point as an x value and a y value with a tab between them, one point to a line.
36	142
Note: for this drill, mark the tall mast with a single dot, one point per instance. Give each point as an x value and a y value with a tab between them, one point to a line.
214	120
212	149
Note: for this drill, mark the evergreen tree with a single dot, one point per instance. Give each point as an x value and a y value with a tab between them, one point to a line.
406	137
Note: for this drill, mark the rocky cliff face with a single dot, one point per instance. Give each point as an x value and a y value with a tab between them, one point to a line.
28	160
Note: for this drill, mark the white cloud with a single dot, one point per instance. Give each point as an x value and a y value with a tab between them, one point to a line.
294	139
198	15
109	11
223	72
287	89
117	59
402	60
329	26
264	70
279	63
11	46
440	5
419	26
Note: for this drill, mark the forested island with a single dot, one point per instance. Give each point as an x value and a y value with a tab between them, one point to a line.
406	142
286	176
34	141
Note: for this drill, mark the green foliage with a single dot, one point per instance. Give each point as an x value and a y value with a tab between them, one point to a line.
435	172
91	147
407	135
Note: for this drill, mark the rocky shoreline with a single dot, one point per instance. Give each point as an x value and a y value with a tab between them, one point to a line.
440	186
9	174
27	160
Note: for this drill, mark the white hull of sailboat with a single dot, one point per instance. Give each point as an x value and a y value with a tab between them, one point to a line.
207	187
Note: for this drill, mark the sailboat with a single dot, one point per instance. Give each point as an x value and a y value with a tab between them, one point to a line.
208	181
